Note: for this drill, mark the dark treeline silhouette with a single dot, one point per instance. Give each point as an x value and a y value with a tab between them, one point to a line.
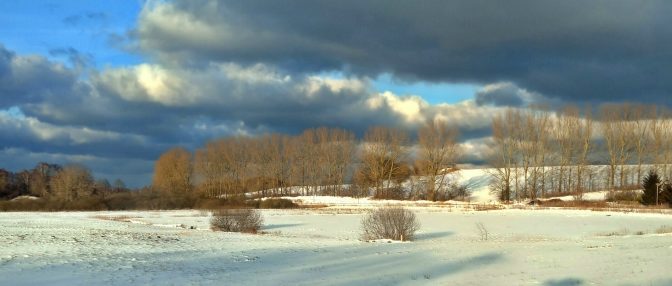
55	187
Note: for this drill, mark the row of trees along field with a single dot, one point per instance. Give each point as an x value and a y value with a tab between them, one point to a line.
541	153
535	153
319	161
65	183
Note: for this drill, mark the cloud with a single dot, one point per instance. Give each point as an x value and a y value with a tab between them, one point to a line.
265	98
77	59
137	112
505	94
476	151
569	50
27	79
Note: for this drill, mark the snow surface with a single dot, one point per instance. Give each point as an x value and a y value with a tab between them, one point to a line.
476	180
322	247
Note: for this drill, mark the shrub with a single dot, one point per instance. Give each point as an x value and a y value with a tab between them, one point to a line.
392	193
356	191
453	192
23	205
664	229
211	203
277	204
623	196
91	203
389	222
236	220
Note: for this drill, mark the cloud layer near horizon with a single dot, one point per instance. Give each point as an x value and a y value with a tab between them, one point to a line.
137	112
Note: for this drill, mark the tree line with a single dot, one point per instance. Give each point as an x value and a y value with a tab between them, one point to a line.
318	161
536	152
45	180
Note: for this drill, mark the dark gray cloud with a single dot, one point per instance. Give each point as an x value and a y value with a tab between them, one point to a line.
29	79
573	50
503	94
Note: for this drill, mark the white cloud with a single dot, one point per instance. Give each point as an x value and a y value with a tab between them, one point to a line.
409	107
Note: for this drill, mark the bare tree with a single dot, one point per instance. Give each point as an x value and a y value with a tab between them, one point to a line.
119	185
335	149
382	156
656	128
222	166
173	171
210	169
299	160
667	143
539	140
40	178
585	145
438	151
73	182
504	127
661	133
641	125
269	163
567	135
617	134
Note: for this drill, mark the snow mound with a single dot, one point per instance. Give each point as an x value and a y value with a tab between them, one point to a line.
21	198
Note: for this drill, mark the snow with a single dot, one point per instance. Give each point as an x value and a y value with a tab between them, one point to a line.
322	247
591	196
21	198
476	180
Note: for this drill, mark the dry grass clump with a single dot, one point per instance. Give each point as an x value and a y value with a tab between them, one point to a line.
574	204
624	196
485	207
119	218
620	232
664	229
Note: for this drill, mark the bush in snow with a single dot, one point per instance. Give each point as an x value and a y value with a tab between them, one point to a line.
624	196
236	220
389	222
392	193
277	204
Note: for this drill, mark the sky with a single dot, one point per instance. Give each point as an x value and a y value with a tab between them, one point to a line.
113	84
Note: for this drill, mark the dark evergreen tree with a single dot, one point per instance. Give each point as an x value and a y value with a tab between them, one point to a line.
666	195
650	185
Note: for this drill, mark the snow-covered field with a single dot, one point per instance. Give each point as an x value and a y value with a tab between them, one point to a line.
321	247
